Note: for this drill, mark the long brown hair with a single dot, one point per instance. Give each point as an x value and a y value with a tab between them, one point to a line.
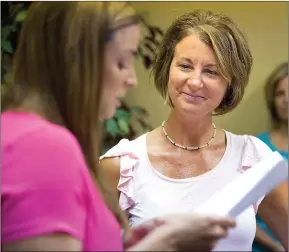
58	72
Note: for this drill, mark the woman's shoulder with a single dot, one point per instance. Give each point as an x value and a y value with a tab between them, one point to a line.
264	136
252	147
41	160
30	129
121	160
126	147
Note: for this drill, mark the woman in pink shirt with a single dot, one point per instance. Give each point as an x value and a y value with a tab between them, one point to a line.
74	62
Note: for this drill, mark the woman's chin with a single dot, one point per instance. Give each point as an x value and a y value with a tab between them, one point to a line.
108	113
188	107
194	110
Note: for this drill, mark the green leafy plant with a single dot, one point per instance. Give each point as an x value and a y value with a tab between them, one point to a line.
127	119
123	125
13	14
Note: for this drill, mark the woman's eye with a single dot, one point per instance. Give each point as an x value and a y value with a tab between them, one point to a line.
126	63
184	67
279	93
121	65
211	72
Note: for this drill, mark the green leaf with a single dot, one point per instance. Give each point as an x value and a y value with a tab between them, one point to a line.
6	46
139	52
124	126
122	114
20	17
112	127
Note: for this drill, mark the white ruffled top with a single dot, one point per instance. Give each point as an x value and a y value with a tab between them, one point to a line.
145	193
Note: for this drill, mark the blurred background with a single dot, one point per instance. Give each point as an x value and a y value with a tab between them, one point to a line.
265	25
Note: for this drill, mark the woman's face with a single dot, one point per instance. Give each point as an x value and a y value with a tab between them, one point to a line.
195	86
119	71
281	100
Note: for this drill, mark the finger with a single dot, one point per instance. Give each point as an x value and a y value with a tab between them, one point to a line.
141	230
218	232
158	222
151	224
213	235
223	221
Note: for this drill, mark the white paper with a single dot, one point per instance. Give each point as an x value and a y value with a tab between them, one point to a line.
248	188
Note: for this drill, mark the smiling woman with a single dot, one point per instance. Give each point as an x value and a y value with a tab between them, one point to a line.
194	64
202	69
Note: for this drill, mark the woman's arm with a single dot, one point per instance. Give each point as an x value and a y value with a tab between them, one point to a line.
273	210
111	168
111	171
266	240
53	242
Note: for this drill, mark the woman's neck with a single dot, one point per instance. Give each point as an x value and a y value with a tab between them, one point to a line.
42	107
279	137
189	131
282	130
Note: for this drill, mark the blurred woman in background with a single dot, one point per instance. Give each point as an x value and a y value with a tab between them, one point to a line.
276	94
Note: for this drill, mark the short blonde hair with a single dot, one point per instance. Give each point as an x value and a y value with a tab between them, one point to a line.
279	73
230	47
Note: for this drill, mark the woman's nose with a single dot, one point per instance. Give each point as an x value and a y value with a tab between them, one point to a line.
195	83
131	81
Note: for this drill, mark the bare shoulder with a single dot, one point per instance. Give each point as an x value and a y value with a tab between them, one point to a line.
111	167
111	164
111	160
